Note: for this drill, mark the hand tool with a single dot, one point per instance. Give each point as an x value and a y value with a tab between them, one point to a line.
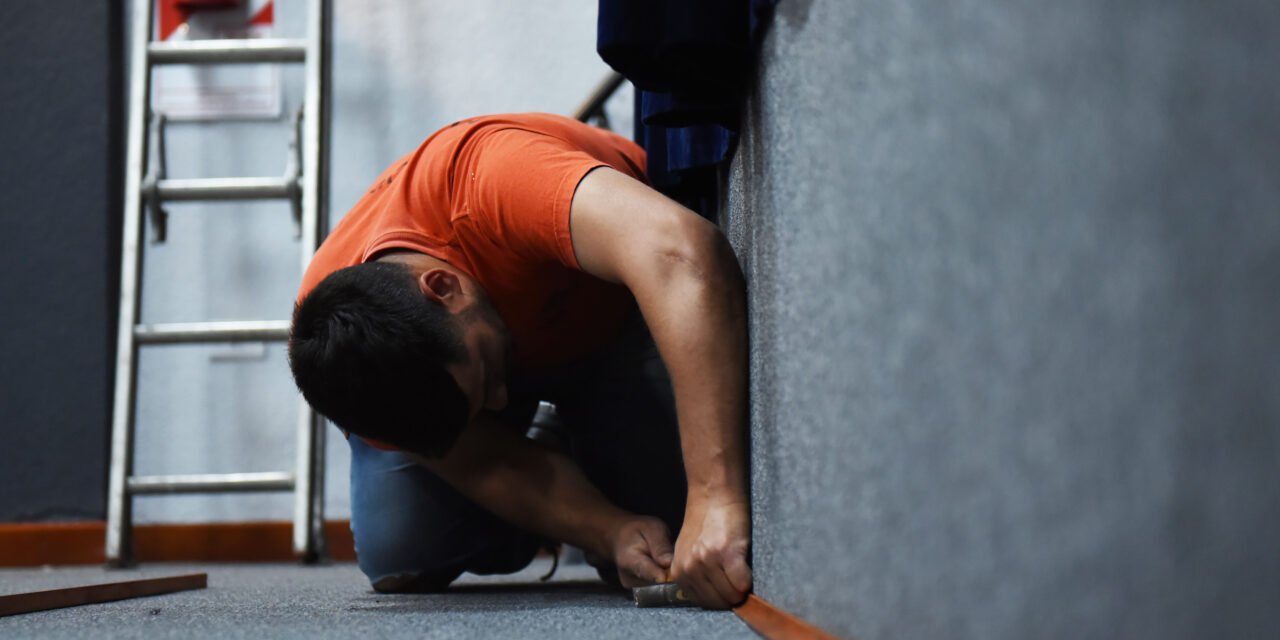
666	594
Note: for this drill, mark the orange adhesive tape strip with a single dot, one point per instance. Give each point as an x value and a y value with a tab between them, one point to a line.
775	624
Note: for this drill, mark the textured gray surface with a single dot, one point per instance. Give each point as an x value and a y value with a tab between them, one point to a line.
289	601
58	216
1014	271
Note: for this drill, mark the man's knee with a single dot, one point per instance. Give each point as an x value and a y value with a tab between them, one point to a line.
407	560
398	558
413	532
415	581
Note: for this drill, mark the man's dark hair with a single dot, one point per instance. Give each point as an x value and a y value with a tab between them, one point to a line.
368	351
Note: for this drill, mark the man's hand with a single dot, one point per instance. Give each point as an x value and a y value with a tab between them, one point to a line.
642	551
711	554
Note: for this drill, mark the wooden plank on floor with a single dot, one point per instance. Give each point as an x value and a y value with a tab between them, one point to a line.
74	596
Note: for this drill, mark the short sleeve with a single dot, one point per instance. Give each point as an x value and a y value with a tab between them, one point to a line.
519	192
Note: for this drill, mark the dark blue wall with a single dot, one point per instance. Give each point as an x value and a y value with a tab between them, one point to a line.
1015	301
59	243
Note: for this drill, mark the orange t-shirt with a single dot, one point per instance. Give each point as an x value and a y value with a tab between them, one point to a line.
491	196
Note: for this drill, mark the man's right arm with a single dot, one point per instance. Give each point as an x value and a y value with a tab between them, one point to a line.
545	492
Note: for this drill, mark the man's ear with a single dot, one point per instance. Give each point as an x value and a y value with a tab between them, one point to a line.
441	285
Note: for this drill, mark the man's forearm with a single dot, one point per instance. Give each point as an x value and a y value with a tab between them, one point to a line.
687	282
529	486
698	320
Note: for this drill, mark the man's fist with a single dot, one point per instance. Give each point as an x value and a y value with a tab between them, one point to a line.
711	555
642	551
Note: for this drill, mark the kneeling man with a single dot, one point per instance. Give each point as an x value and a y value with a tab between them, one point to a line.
514	259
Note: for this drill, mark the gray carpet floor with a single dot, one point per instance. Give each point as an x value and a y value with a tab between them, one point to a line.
335	601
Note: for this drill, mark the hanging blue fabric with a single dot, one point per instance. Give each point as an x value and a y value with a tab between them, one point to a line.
690	61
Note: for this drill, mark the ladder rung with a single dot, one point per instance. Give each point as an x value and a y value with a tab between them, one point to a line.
225	189
227	51
213	483
234	331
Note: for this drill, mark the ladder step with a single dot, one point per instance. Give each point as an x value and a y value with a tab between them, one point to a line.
233	51
191	332
213	483
226	189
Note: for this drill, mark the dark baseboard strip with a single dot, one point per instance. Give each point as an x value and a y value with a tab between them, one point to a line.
70	543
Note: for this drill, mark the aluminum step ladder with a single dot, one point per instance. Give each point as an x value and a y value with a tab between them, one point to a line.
305	185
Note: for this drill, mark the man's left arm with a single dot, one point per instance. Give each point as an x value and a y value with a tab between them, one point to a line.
687	282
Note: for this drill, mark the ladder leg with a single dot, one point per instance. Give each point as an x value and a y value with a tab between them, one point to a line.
308	525
119	548
308	497
309	542
316	494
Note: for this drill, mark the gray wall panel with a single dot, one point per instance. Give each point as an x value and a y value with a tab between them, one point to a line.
58	255
1014	273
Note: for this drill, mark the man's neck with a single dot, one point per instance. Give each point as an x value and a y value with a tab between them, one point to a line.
414	259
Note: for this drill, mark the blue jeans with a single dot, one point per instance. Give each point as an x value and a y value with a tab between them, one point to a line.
414	532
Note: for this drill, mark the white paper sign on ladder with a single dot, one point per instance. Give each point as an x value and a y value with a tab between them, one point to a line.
216	92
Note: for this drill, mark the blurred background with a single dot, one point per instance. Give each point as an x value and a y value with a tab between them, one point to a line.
1014	277
400	70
